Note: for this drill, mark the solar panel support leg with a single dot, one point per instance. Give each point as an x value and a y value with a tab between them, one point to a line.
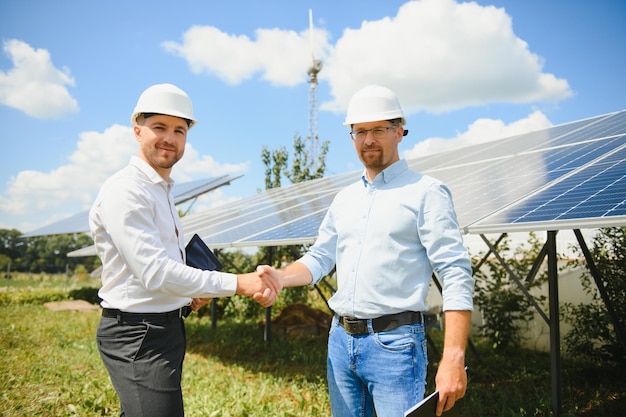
555	333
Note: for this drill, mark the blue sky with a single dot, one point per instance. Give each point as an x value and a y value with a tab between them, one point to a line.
71	72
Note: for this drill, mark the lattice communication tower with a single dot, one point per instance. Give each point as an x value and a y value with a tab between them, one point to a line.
314	69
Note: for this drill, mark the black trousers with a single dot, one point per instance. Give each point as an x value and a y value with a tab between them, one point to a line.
144	358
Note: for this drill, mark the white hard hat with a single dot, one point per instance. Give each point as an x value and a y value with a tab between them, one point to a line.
373	103
164	99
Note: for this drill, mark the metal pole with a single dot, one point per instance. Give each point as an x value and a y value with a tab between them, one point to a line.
214	313
267	329
555	333
267	334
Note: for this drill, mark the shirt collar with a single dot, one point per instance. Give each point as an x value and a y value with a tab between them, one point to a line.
149	172
388	174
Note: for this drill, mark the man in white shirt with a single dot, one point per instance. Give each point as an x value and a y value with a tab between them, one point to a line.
146	287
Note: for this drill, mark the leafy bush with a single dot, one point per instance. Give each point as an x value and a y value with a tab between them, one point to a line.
41	290
32	296
88	294
505	308
593	334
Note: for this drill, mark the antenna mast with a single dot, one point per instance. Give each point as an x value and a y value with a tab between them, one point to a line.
314	69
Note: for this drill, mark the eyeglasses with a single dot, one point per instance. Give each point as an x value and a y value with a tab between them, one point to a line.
377	133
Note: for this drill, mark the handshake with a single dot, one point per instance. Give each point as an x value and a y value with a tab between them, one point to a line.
263	286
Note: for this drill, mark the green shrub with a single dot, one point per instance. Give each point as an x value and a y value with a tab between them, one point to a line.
593	334
38	296
88	294
32	296
506	309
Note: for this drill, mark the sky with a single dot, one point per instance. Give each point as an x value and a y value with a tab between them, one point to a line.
465	73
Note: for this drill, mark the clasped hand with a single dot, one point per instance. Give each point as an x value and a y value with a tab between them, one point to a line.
263	286
273	286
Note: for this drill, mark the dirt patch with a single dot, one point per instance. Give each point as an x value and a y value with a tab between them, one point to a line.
71	305
299	320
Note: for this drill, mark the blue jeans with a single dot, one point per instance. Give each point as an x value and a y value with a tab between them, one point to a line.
383	371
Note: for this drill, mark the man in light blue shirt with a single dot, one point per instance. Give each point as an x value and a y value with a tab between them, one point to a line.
387	234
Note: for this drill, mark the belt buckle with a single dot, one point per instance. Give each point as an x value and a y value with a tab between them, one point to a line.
355	326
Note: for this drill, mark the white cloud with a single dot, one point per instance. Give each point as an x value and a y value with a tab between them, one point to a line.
437	55
281	56
96	157
75	184
480	131
195	166
34	85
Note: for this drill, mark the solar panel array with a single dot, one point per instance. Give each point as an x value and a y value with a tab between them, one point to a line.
564	177
185	191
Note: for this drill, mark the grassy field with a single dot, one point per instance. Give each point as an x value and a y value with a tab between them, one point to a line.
50	367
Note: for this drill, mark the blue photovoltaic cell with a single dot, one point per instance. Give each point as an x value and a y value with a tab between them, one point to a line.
289	213
596	191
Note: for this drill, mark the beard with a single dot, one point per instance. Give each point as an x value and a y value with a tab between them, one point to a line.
163	158
372	160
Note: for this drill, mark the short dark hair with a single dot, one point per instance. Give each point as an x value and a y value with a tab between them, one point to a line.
147	115
398	122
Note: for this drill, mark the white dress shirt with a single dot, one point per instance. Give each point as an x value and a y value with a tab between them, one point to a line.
138	236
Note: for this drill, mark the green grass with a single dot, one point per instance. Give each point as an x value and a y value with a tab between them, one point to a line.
50	367
21	280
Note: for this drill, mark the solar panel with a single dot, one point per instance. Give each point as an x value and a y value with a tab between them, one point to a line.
274	217
557	177
483	187
189	190
594	193
79	223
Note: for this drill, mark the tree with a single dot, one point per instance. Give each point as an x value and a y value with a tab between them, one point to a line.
11	244
275	163
44	253
302	169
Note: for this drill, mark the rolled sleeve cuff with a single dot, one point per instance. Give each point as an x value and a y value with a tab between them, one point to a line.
313	267
228	284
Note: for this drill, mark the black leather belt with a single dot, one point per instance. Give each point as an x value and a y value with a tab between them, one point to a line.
126	316
380	324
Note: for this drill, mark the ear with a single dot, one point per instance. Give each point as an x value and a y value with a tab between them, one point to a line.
137	131
399	134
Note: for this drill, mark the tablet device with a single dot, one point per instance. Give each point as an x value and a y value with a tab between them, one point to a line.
428	406
200	256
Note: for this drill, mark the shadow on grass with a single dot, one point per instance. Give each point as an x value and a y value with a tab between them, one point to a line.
243	344
518	383
514	383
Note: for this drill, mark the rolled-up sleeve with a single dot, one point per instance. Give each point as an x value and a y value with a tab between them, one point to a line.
440	234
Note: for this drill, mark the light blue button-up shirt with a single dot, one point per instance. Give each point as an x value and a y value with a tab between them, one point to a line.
386	238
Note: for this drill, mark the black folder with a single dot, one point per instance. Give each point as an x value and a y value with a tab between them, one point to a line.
200	256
